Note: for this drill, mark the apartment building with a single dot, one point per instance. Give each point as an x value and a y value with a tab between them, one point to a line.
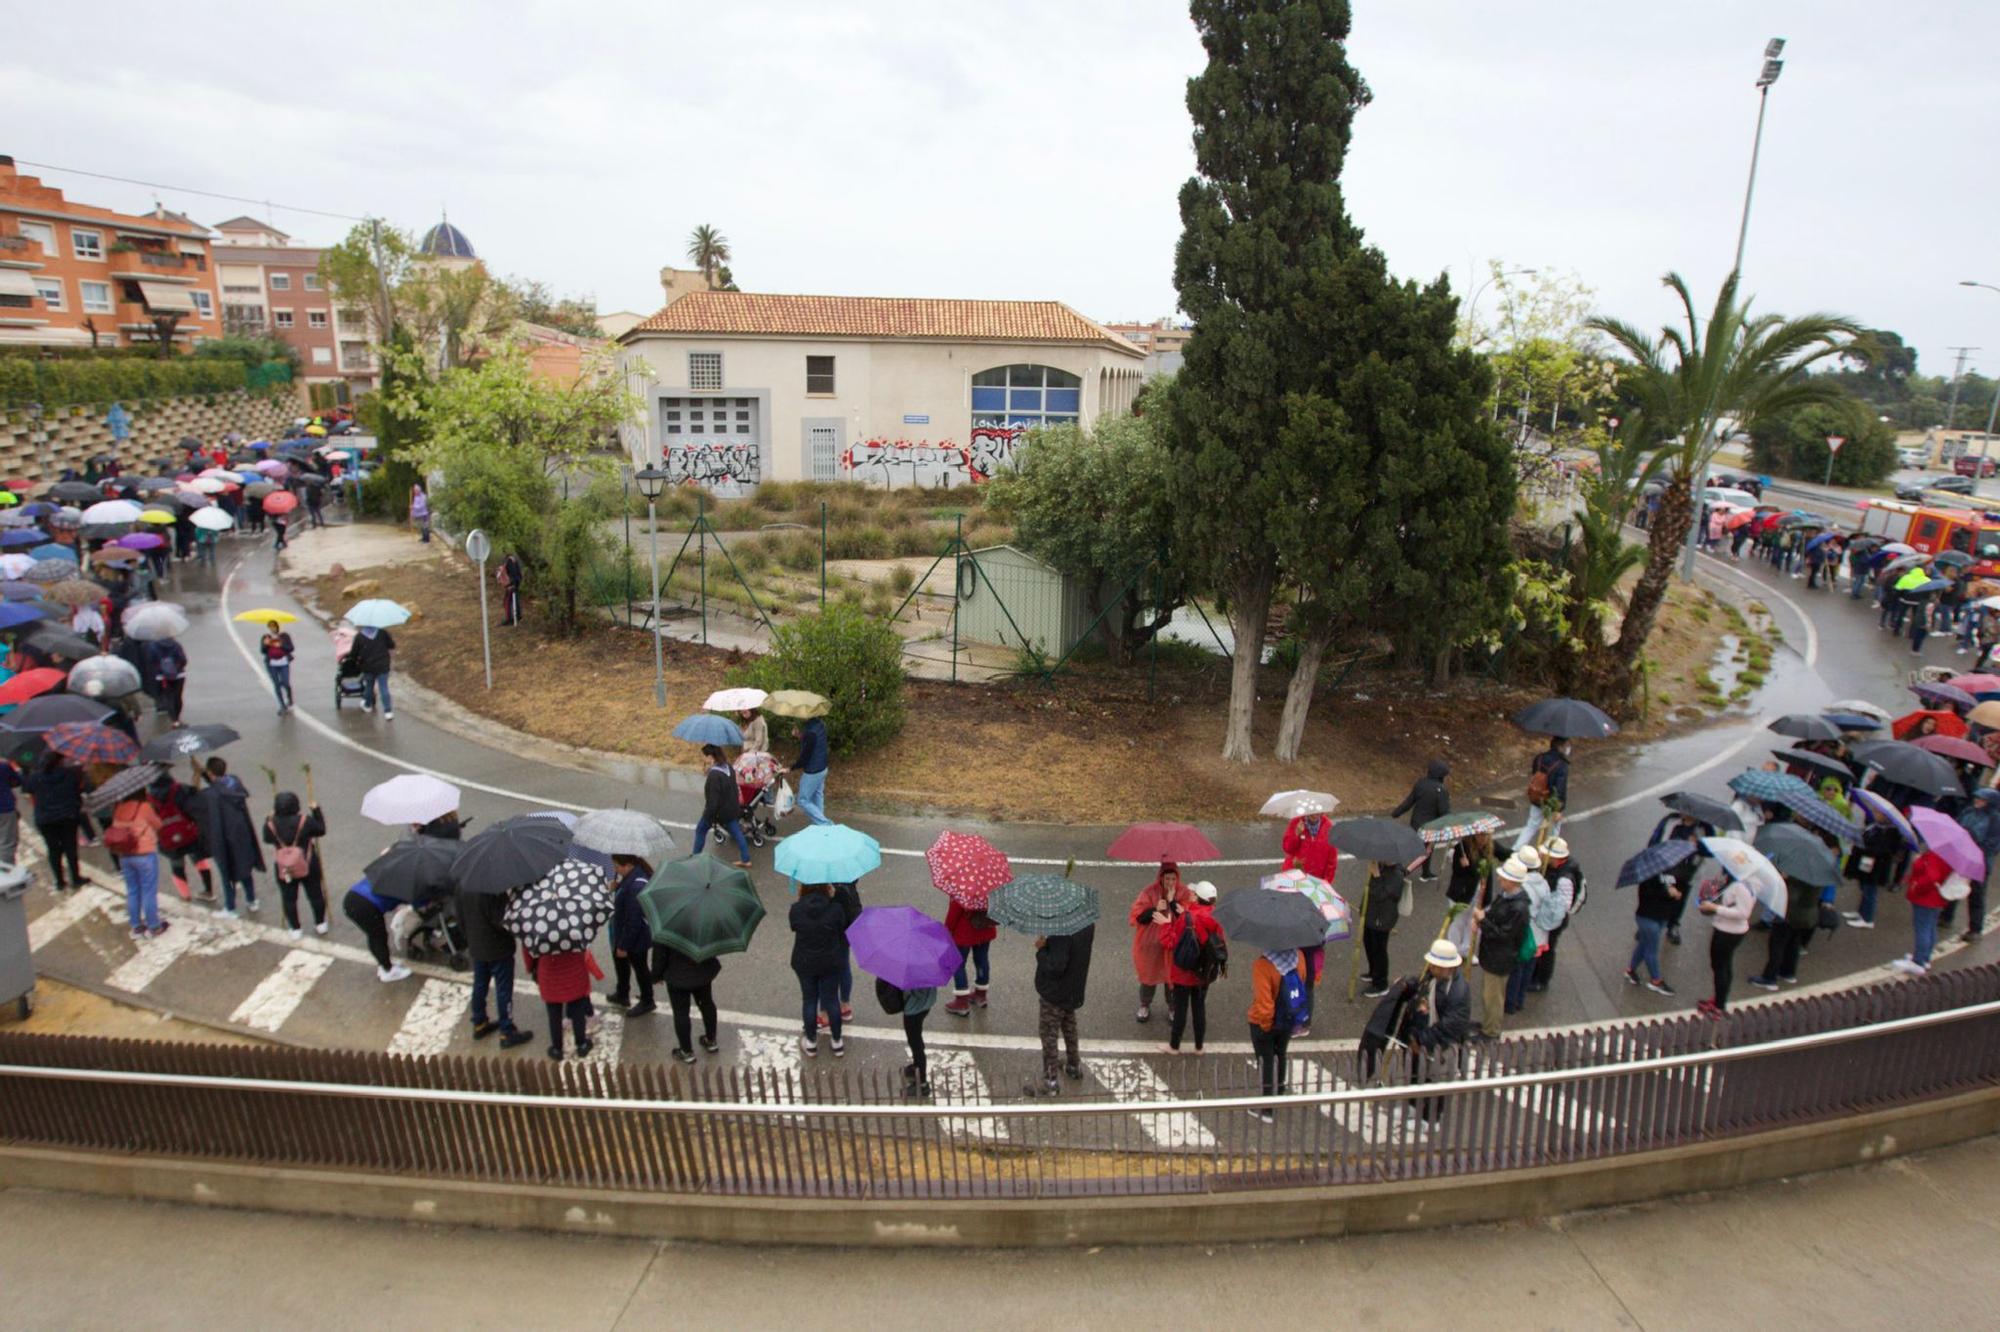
271	286
75	275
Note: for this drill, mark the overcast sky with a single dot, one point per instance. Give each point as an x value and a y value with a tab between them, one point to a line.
1033	148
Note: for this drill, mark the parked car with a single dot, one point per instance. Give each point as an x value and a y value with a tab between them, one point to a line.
1913	456
1974	464
1951	485
1726	481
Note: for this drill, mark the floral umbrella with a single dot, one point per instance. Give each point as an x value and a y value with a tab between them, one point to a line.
1339	916
966	868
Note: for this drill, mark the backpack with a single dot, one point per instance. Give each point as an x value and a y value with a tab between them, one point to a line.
1293	1005
1538	784
891	998
178	832
1214	962
292	862
1187	951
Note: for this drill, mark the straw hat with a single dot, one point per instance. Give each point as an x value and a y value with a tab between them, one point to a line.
1514	870
1529	857
1558	849
1443	954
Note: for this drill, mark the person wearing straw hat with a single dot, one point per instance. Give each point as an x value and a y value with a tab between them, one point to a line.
1503	927
1436	1020
1565	879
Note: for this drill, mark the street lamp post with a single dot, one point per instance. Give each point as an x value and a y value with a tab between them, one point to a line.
1472	310
1993	411
652	484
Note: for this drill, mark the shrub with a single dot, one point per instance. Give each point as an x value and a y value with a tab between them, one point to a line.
796	551
901	579
857	543
854	662
750	556
880	604
917	541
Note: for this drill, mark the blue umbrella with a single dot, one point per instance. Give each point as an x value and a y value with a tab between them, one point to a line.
705	728
1756	784
827	853
377	613
14	614
903	946
1852	721
1812	810
1656	860
1822	539
37	509
52	551
23	536
1879	809
1934	585
16	590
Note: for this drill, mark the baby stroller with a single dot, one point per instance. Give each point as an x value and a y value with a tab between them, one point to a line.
430	931
756	782
348	683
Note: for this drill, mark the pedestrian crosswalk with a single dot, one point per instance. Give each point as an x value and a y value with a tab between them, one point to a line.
432	1018
279	994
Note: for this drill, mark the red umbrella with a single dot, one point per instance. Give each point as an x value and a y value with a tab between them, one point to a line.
1948	723
17	484
966	868
1951	747
284	501
91	742
1163	841
30	683
1979	684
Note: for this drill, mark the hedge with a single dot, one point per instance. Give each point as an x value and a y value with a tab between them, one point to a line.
64	383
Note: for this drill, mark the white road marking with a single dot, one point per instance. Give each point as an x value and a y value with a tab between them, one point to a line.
196	938
607	1044
271	1004
67	911
437	1009
1560	1109
956	1080
1133	1080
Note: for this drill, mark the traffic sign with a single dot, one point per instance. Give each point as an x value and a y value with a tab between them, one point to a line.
478	546
1833	443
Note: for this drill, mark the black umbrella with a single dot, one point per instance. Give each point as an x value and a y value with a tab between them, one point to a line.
1952	559
73	492
1906	765
1805	726
1566	717
59	644
1266	919
414	870
1715	813
146	485
313	480
1798	854
1384	841
187	741
38	714
190	442
1816	766
510	853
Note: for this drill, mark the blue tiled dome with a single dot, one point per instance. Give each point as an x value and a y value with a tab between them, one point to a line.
447	242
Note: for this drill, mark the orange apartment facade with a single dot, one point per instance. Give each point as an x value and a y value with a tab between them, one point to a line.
271	286
74	275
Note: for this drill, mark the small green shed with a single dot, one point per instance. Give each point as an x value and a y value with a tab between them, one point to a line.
1041	606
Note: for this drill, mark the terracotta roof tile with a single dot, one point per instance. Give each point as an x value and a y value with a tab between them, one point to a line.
747	312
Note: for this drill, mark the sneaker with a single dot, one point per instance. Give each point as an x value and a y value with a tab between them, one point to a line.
227	913
642	1008
1763	982
1046	1088
1074	1072
1145	1011
1167	1049
1909	968
481	1030
510	1039
682	1056
707	1044
138	931
1854	920
370	707
584	1047
1631	976
810	1049
1970	936
824	1021
1674	935
392	973
295	932
618	1000
159	929
1789	980
250	907
320	928
839	1048
1659	987
555	1051
959	1006
388	716
1375	992
846	1012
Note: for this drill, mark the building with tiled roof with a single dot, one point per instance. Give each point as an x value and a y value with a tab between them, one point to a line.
271	287
895	391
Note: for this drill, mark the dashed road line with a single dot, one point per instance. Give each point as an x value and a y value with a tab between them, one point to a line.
272	1003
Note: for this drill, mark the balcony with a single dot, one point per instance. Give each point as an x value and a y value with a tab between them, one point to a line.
10	244
157	265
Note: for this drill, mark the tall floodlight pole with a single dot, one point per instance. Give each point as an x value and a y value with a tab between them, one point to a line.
652	484
1993	411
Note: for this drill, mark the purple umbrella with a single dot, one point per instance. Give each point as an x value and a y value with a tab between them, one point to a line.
903	946
273	467
1880	810
141	541
1953	844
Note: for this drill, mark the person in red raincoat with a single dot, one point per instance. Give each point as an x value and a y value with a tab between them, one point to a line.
1186	989
1163	899
1307	846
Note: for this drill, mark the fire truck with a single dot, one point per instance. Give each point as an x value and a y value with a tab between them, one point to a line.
1972	529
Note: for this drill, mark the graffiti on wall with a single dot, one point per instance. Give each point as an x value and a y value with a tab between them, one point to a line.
726	468
904	463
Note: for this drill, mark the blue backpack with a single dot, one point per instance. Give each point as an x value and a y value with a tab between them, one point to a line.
1293	1006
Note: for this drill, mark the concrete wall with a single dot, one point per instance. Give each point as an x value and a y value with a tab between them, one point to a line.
75	433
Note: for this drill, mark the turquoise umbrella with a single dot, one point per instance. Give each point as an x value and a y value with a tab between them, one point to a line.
827	853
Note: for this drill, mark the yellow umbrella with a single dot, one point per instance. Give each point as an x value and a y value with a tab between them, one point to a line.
796	703
1986	714
266	616
158	517
8	499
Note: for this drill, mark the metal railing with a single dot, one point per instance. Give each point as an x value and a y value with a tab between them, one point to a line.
1536	1100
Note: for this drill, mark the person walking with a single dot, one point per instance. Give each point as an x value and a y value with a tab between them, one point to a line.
917	1005
133	836
279	523
1925	890
690	984
1308	846
1677	827
420	518
1503	928
278	653
1565	879
631	940
1062	974
811	766
180	835
492	947
1728	910
230	835
973	932
1280	1000
1197	957
1428	799
1982	823
819	918
294	835
1658	897
1381	910
315	505
563	980
1438	1020
373	654
168	663
57	791
1548	781
721	807
1156	906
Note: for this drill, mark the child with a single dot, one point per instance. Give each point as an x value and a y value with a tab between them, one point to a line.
630	939
564	982
297	864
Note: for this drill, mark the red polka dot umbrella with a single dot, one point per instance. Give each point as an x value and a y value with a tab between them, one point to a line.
966	868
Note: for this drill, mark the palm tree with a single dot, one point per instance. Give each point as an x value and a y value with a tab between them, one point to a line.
708	250
1687	381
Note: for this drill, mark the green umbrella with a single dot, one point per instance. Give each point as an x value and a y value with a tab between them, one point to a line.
701	907
1043	904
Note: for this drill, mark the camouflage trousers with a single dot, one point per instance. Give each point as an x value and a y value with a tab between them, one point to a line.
1057	1022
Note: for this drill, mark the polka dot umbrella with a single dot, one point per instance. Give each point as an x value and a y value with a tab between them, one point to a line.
562	911
966	867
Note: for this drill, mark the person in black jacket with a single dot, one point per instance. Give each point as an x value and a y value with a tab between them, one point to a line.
1428	799
820	918
290	828
491	945
1503	927
688	983
1062	970
230	835
630	939
372	655
1383	908
57	791
720	807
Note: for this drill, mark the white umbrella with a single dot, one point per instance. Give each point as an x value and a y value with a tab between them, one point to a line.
734	700
1749	867
205	485
112	512
212	520
1857	705
376	613
13	566
1295	804
413	798
625	832
104	677
155	620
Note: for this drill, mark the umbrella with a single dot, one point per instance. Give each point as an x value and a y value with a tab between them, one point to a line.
1299	803
377	613
1952	559
734	700
39	714
799	703
27	684
121	785
510	853
1952	747
75	592
1383	841
1452	827
903	946
264	615
1566	717
1333	908
415	869
1815	811
158	516
12	566
73	492
827	853
1933	692
1903	564
14	614
108	554
48	569
1979	685
1043	904
1906	765
23	536
271	466
414	797
15	589
1879	809
154	621
1797	854
705	728
1816	766
1714	813
1656	860
562	911
206	485
966	868
1986	714
54	551
1756	784
188	741
1945	722
91	742
112	513
562	816
701	908
146	485
57	643
1268	919
1853	721
1162	841
212	520
625	832
104	676
141	541
1953	844
285	501
1805	726
1749	867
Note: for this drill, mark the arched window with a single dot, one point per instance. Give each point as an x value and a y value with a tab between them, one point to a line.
1026	397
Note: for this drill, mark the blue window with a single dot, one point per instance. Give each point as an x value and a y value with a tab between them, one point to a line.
1024	400
1064	400
1027	397
989	399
